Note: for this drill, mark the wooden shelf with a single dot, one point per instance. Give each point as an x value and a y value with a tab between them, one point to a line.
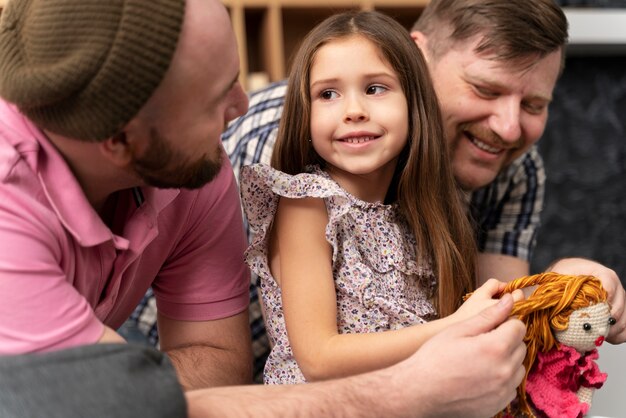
270	31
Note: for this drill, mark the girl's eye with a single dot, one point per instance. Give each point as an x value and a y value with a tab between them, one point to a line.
376	90
328	94
587	326
612	321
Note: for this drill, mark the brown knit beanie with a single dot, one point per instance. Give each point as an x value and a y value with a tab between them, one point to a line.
84	68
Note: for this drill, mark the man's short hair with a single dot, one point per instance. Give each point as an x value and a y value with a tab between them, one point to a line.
511	30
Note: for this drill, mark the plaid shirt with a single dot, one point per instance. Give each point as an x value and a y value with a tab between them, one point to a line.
506	212
250	139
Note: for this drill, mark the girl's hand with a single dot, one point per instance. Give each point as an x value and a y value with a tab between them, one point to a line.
482	298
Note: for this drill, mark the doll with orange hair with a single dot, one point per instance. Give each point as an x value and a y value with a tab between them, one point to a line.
566	318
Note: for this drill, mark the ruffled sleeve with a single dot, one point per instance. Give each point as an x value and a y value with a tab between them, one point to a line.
261	188
591	376
375	264
379	281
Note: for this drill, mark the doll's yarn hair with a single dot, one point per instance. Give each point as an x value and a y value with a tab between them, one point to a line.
549	308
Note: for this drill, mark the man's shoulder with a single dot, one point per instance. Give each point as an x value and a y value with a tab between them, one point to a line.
16	139
264	112
526	174
528	165
272	94
251	137
23	156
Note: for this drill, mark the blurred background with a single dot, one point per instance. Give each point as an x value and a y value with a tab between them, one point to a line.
584	145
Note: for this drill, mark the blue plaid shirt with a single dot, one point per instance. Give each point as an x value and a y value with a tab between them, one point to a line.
506	212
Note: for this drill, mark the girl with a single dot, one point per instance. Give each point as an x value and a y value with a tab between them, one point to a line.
359	227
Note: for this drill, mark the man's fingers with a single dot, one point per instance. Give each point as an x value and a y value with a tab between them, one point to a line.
491	287
508	343
519	376
486	320
518	295
617	332
519	353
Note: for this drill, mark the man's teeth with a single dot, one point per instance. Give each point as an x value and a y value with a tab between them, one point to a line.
358	140
485	147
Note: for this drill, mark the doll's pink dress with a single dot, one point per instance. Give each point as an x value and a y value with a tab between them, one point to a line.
379	283
556	377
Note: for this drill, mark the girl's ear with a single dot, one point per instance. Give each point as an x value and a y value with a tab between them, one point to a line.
117	150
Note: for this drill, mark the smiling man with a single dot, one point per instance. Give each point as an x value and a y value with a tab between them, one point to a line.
494	88
494	67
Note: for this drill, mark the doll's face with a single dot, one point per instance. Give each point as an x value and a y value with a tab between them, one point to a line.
587	328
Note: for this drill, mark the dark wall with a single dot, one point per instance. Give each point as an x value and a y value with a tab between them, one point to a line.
584	149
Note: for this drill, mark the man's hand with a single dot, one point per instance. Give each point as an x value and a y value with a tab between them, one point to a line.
471	369
610	282
484	297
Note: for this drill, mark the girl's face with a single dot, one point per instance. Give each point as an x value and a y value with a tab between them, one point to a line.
359	113
587	328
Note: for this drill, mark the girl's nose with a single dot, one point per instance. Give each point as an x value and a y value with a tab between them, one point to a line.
355	110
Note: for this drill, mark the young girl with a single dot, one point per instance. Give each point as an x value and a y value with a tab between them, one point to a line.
360	235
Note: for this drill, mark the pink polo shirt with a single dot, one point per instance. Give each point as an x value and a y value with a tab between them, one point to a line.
64	273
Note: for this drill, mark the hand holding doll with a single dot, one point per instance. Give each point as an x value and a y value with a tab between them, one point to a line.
567	318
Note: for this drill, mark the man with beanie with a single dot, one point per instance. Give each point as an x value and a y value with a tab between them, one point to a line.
113	179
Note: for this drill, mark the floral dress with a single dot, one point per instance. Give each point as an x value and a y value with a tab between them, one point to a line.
380	285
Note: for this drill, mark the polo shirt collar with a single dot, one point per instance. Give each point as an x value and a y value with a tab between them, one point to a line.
67	199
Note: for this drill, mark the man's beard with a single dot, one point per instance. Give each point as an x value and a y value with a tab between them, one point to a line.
163	167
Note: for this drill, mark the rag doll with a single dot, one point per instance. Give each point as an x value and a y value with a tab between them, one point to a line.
566	318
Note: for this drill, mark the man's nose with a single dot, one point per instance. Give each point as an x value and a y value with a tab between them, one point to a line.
238	105
505	121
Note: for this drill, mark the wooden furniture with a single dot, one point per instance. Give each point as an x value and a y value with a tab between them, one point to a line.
269	31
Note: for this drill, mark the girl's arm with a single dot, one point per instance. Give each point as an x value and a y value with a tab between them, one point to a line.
310	304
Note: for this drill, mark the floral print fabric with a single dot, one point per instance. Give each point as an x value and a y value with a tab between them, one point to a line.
379	283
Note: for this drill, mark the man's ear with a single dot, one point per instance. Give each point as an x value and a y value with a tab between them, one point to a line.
117	150
421	41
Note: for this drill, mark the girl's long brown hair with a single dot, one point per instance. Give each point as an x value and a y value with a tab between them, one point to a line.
547	309
423	184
